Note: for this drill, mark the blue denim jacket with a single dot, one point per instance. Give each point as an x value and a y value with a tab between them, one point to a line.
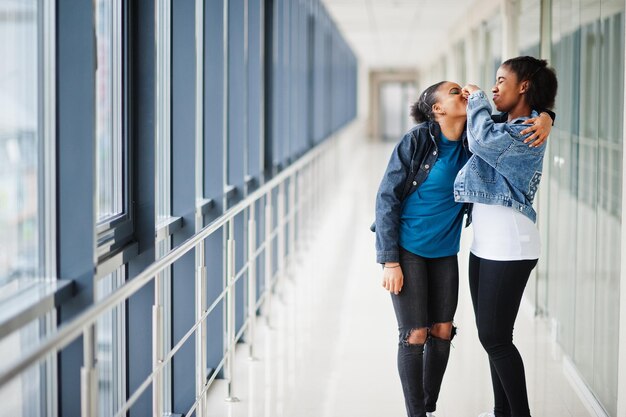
503	170
409	166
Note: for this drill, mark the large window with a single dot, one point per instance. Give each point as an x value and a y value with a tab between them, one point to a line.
113	221
111	361
110	139
20	140
26	167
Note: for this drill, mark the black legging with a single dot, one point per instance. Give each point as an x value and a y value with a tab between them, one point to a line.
497	288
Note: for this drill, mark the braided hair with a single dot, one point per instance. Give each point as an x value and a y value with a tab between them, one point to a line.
422	109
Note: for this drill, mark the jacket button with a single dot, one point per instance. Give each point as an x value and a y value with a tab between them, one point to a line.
426	166
435	153
414	182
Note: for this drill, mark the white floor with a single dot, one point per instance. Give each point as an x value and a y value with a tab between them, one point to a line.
331	347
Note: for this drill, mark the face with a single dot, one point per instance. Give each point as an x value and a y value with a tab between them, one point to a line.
450	101
508	91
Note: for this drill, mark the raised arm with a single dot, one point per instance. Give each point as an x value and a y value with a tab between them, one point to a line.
486	139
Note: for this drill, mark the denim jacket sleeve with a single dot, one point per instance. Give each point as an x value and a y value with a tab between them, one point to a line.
487	139
389	201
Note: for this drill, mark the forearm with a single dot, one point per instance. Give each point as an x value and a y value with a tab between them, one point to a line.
487	139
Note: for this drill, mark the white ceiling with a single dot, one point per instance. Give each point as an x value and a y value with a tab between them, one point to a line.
396	33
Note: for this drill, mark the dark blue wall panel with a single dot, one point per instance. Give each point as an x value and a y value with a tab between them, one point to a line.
183	197
141	114
236	92
214	165
76	179
255	79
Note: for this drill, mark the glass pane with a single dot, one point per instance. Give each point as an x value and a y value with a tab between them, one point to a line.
528	31
24	396
609	208
563	183
585	188
585	145
110	343
19	139
108	110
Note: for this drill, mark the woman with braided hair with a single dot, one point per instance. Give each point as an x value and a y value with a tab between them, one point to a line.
418	226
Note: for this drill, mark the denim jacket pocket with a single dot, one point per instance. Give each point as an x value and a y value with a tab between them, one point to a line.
484	171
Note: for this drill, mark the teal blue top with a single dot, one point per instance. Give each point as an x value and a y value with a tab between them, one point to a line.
431	221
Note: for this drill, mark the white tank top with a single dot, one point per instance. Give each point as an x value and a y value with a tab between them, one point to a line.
503	234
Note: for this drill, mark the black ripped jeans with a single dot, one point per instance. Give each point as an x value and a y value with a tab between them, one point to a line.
429	295
497	288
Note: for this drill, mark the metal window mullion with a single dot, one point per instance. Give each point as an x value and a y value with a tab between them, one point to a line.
166	335
199	119
120	323
262	41
48	109
201	340
116	111
225	102
162	308
89	378
51	371
251	294
157	343
246	150
163	110
47	106
286	139
230	334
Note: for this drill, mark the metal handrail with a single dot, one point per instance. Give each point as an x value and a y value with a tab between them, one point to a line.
72	330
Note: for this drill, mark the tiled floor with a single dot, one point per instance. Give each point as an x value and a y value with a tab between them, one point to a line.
331	347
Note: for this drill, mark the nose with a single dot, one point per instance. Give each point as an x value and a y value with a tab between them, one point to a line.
494	89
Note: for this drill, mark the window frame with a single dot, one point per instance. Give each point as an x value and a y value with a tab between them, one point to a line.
114	233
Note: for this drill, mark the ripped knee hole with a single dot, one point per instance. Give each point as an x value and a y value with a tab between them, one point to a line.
416	336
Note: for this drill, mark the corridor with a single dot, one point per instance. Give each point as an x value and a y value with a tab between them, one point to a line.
330	347
187	186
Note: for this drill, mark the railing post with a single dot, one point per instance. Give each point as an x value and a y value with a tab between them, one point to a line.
308	200
314	178
281	230
157	346
292	220
200	291
89	374
251	279
230	309
268	256
300	207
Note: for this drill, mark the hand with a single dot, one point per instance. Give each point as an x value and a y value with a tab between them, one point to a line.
393	278
540	127
469	89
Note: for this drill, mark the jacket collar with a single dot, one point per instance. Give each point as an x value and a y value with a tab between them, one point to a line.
435	131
